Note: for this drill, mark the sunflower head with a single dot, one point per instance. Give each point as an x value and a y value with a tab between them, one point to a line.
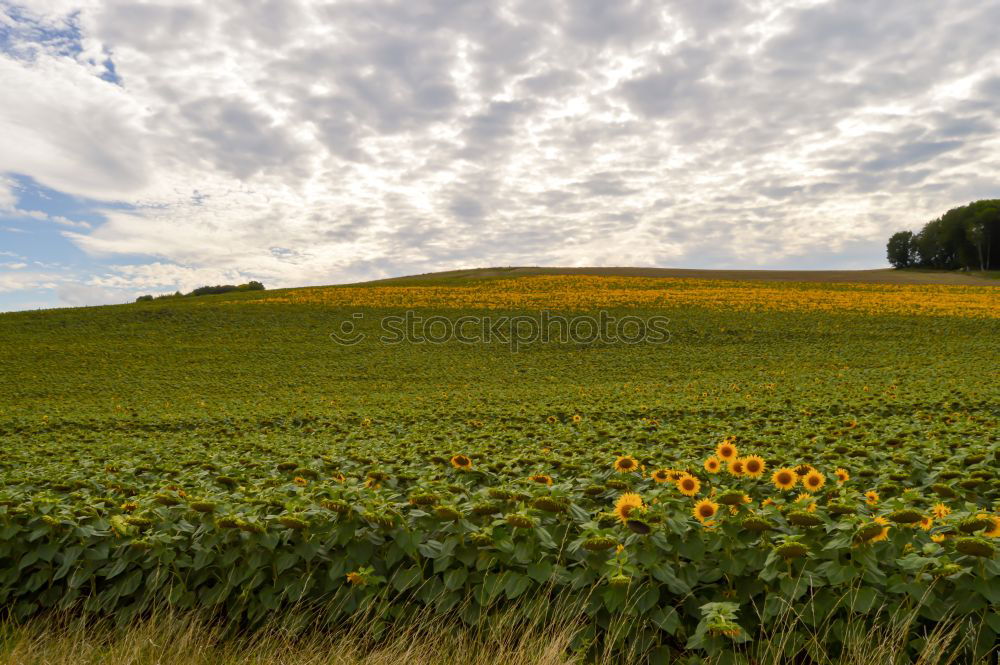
688	485
726	451
873	532
712	464
940	510
541	479
705	510
461	462
842	475
871	498
626	464
784	478
906	516
598	543
754	466
626	503
736	467
519	521
661	475
973	546
813	481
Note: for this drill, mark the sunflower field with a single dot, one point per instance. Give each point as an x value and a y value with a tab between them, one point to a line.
817	451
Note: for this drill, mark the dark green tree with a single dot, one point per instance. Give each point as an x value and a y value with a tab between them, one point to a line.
901	250
966	237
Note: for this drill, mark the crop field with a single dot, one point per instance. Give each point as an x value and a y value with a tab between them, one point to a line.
815	455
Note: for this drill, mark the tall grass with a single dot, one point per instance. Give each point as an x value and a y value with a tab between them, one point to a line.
536	632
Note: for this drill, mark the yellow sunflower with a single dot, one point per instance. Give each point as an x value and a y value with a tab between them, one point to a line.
842	475
627	502
926	522
736	467
541	479
688	485
626	463
661	475
994	530
784	478
814	481
754	466
726	451
882	535
871	498
938	537
461	462
712	464
705	510
941	511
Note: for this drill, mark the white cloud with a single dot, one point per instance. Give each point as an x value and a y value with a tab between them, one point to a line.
310	142
8	198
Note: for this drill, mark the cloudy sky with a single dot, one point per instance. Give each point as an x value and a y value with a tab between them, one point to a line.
151	146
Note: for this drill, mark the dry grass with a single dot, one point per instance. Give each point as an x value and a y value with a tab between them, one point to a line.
172	639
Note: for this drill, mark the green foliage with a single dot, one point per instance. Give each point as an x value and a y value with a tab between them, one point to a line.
965	237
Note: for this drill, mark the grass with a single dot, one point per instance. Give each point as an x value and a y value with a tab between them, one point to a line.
172	638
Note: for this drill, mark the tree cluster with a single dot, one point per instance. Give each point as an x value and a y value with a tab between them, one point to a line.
966	238
208	290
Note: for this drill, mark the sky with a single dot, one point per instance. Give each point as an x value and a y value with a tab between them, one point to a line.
147	147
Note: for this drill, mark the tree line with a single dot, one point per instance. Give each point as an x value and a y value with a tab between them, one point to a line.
966	238
252	285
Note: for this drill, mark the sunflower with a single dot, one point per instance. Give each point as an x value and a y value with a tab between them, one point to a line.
712	464
871	498
674	475
626	463
688	485
736	467
577	418
461	462
627	502
842	475
938	537
994	530
541	479
300	481
926	522
754	466
814	481
884	533
356	579
726	451
940	510
705	510
661	475
784	478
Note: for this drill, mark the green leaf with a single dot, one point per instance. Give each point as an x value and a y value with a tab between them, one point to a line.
455	578
540	571
516	585
863	599
405	578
